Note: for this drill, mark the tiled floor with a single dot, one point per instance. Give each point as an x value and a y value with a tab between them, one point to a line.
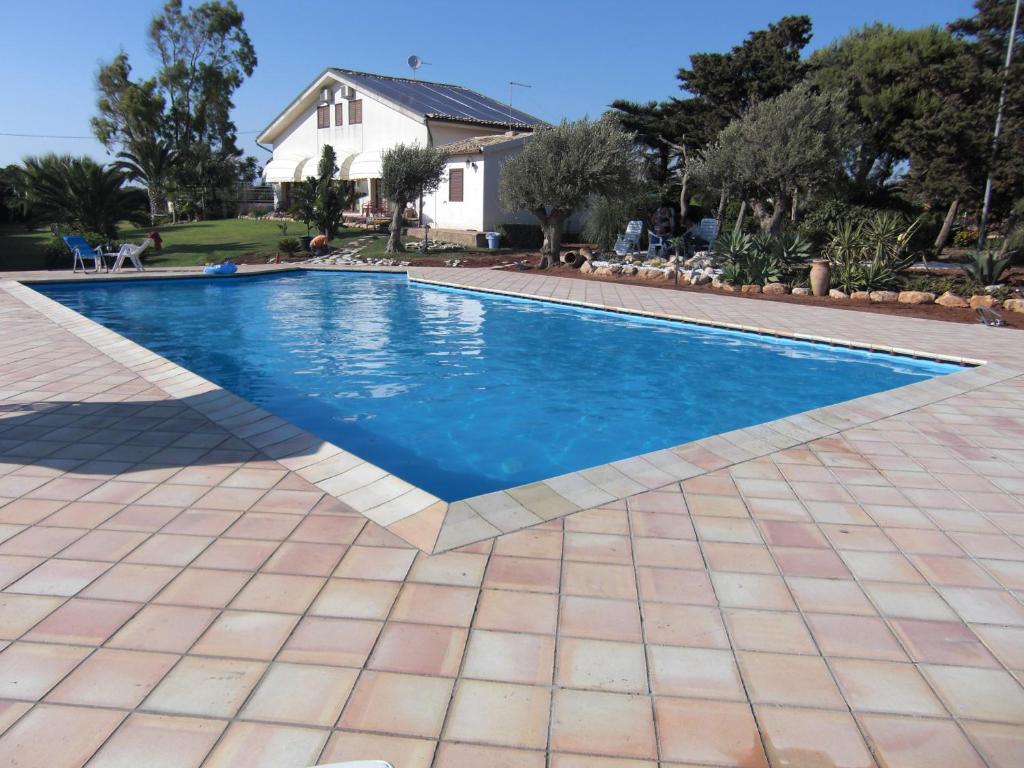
171	596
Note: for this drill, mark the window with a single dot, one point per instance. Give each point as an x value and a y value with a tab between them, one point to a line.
339	113
455	185
323	116
355	112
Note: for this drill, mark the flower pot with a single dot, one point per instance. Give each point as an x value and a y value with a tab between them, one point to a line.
306	241
820	274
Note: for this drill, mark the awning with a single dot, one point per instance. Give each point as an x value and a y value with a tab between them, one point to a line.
360	165
288	169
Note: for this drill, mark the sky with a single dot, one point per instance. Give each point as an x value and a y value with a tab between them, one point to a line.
576	56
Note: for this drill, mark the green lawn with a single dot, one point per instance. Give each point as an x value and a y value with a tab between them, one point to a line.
187	244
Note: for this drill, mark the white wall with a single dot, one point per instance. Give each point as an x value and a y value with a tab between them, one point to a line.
382	127
440	212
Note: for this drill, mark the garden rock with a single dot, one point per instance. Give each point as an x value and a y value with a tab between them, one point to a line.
600	270
775	289
629	270
671	274
983	300
801	291
883	297
1014	305
586	268
861	296
835	293
916	297
750	289
949	299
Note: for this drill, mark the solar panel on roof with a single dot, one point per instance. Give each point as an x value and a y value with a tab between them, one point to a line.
441	100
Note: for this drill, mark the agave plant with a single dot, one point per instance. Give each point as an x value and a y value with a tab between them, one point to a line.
986	268
791	248
870	256
732	246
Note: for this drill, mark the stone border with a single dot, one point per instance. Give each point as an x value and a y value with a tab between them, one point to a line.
434	525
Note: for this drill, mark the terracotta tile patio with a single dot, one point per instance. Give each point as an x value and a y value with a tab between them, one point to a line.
172	595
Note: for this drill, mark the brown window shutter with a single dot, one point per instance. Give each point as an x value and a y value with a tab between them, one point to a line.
323	116
355	112
339	113
455	185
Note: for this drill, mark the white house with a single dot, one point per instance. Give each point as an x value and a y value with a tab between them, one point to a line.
362	114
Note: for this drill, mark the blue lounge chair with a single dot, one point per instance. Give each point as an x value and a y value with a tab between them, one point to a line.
82	250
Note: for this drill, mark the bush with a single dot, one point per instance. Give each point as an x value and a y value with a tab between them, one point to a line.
528	236
868	255
966	237
761	259
289	246
608	218
818	224
59	256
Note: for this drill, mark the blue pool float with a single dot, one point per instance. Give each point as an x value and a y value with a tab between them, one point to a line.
226	268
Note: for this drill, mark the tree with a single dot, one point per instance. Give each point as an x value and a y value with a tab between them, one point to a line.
670	131
204	55
721	87
79	192
763	66
986	33
151	162
782	146
330	196
894	80
407	171
561	168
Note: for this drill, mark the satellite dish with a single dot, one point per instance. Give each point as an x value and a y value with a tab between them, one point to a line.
415	62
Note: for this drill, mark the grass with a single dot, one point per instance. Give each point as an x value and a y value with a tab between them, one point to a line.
190	243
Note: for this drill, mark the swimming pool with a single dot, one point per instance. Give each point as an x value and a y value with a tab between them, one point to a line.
462	393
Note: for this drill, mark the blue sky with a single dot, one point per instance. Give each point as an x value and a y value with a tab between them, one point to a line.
578	56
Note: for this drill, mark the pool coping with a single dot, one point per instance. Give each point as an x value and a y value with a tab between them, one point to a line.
433	525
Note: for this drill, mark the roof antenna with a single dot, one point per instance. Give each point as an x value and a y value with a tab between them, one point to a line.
415	62
512	83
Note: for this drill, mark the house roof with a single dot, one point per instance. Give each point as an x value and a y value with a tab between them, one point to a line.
422	98
476	144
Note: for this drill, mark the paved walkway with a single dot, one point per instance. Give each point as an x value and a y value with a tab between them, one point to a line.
172	596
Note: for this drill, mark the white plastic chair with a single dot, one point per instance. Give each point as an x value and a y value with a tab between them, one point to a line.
707	230
629	242
132	253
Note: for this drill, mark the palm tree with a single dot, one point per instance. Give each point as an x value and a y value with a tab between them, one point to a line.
149	161
79	192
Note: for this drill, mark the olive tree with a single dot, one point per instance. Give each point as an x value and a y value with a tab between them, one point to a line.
561	168
408	170
783	146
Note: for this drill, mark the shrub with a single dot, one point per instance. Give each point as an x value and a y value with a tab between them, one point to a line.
761	258
966	237
58	256
869	255
289	246
529	236
819	223
607	219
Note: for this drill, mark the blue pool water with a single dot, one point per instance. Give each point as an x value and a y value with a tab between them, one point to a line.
462	393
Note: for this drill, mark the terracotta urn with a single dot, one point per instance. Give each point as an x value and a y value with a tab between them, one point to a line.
819	277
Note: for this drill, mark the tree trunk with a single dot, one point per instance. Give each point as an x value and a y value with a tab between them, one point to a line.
683	202
551	249
738	227
395	231
792	214
947	227
722	200
771	223
779	207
